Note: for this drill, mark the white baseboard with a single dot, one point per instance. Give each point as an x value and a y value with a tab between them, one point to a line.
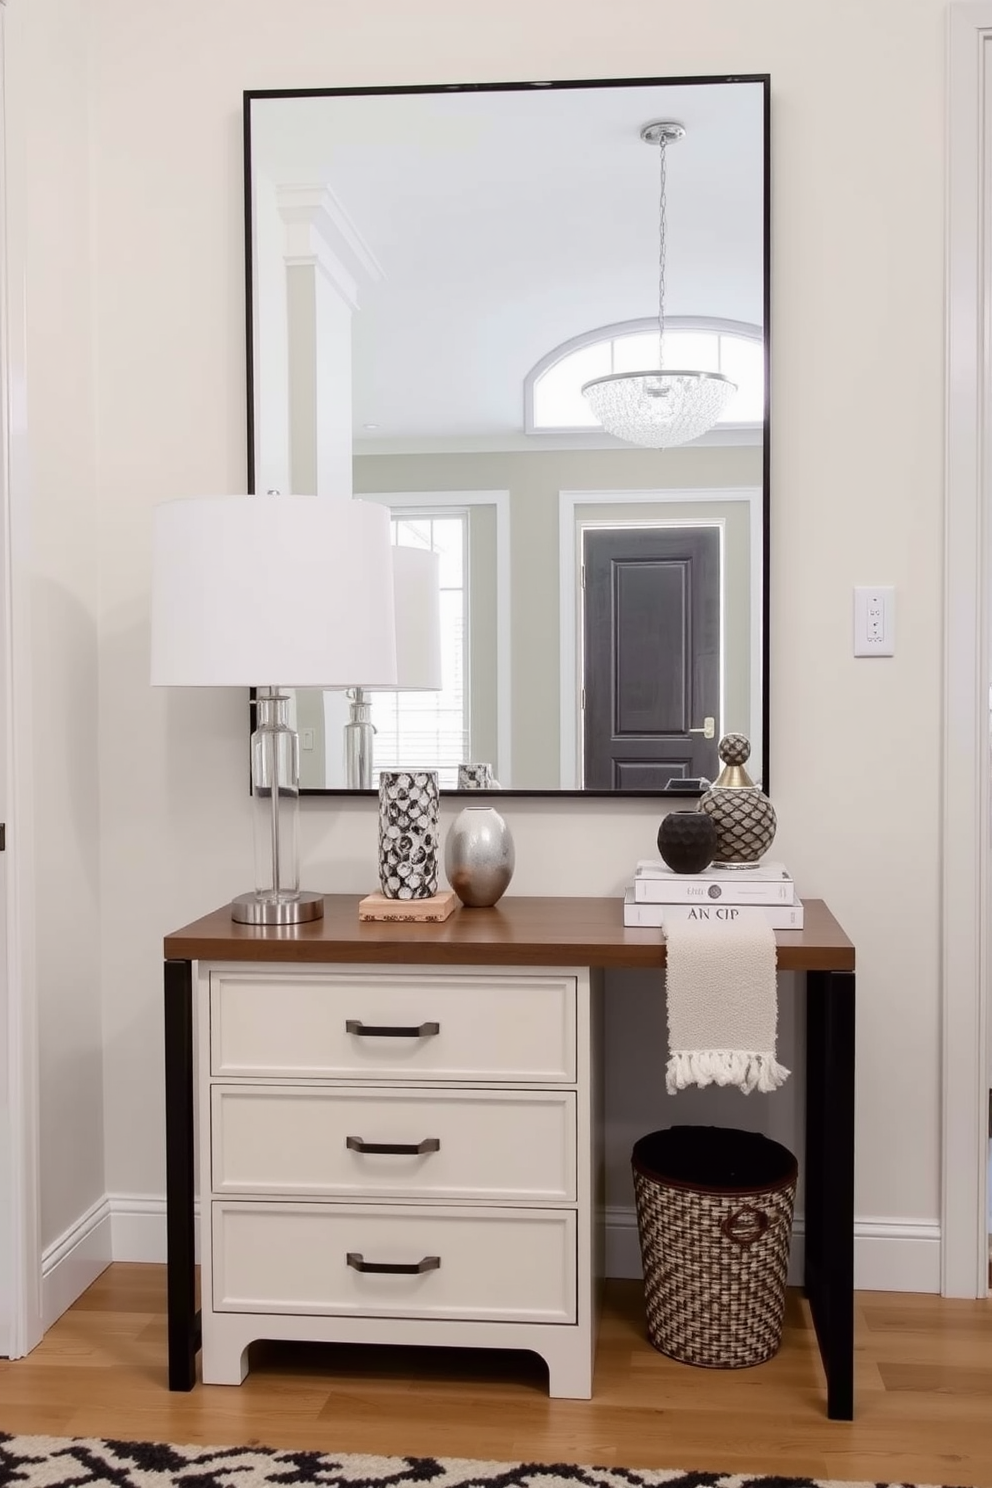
896	1255
119	1227
889	1255
138	1227
75	1260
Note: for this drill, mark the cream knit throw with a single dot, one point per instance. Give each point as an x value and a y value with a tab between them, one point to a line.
722	1006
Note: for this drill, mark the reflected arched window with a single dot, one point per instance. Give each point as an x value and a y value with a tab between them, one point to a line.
553	401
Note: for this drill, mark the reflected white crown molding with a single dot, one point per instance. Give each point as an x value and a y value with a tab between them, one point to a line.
319	232
514	442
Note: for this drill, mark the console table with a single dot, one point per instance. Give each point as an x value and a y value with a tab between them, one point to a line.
278	1075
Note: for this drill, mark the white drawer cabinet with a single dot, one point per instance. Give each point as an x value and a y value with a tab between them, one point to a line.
344	1141
398	1155
415	1261
384	1026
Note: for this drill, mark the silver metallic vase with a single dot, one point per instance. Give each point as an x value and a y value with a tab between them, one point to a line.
479	856
409	802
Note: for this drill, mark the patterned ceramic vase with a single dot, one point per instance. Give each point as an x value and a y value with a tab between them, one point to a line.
479	856
409	802
742	814
687	841
476	777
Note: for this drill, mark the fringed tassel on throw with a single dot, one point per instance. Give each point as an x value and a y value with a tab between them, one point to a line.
724	1067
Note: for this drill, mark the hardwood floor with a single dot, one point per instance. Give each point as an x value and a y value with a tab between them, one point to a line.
923	1373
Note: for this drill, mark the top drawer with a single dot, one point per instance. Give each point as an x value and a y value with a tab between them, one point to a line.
399	1024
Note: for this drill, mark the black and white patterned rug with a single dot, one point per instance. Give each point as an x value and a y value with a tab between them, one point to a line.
70	1462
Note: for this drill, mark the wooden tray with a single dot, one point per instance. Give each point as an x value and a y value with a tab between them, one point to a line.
378	907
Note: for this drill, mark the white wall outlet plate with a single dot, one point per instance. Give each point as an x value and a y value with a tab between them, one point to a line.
874	620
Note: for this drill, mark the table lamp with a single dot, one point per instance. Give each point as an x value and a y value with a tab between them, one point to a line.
417	601
297	590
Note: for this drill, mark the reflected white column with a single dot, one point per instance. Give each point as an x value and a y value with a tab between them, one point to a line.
326	261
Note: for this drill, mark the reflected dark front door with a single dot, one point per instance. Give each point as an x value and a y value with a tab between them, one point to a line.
651	633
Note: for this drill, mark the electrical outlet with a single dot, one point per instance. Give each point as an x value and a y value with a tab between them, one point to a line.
874	620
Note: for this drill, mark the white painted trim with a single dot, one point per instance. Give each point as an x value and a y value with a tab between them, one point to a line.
896	1255
569	659
26	1323
966	823
137	1227
509	441
890	1255
75	1261
319	229
501	501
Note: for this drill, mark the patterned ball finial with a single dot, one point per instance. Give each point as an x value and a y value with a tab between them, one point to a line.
734	749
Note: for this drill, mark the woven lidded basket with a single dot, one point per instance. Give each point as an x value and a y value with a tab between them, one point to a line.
714	1217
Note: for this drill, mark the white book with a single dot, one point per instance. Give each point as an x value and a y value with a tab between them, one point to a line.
657	916
767	883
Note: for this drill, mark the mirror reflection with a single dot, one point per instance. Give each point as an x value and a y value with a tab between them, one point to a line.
434	277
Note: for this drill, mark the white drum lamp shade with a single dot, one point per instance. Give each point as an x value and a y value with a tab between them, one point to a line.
273	592
417	597
294	591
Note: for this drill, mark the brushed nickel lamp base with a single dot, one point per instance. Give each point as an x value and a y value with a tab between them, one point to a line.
252	909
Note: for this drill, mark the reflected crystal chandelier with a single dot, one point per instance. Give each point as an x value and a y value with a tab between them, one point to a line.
659	408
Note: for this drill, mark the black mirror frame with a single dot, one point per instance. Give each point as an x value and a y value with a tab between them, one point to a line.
761	769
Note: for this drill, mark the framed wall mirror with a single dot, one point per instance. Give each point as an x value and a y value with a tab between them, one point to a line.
435	275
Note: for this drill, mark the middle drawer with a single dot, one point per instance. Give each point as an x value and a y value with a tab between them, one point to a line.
491	1145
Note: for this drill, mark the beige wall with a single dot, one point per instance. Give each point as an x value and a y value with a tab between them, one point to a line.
857	471
534	481
46	112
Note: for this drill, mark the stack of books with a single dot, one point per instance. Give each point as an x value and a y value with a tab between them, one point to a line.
719	896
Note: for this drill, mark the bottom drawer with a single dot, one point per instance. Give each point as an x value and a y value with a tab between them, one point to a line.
506	1265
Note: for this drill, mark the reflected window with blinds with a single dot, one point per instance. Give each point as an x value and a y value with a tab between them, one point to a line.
430	730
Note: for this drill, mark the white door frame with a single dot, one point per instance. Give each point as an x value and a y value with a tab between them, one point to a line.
19	1163
570	527
967	742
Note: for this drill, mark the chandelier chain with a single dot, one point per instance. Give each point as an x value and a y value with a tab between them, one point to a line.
658	408
662	175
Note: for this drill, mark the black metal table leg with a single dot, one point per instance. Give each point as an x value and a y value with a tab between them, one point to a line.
829	1269
183	1318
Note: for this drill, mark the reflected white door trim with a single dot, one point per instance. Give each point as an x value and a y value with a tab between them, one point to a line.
500	500
20	1286
966	823
570	504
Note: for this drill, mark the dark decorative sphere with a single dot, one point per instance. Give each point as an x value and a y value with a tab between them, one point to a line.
734	749
687	841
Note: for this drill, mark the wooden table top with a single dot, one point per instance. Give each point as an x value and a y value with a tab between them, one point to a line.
518	931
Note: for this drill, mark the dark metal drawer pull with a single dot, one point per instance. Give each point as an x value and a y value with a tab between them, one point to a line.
358	1263
399	1149
369	1030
